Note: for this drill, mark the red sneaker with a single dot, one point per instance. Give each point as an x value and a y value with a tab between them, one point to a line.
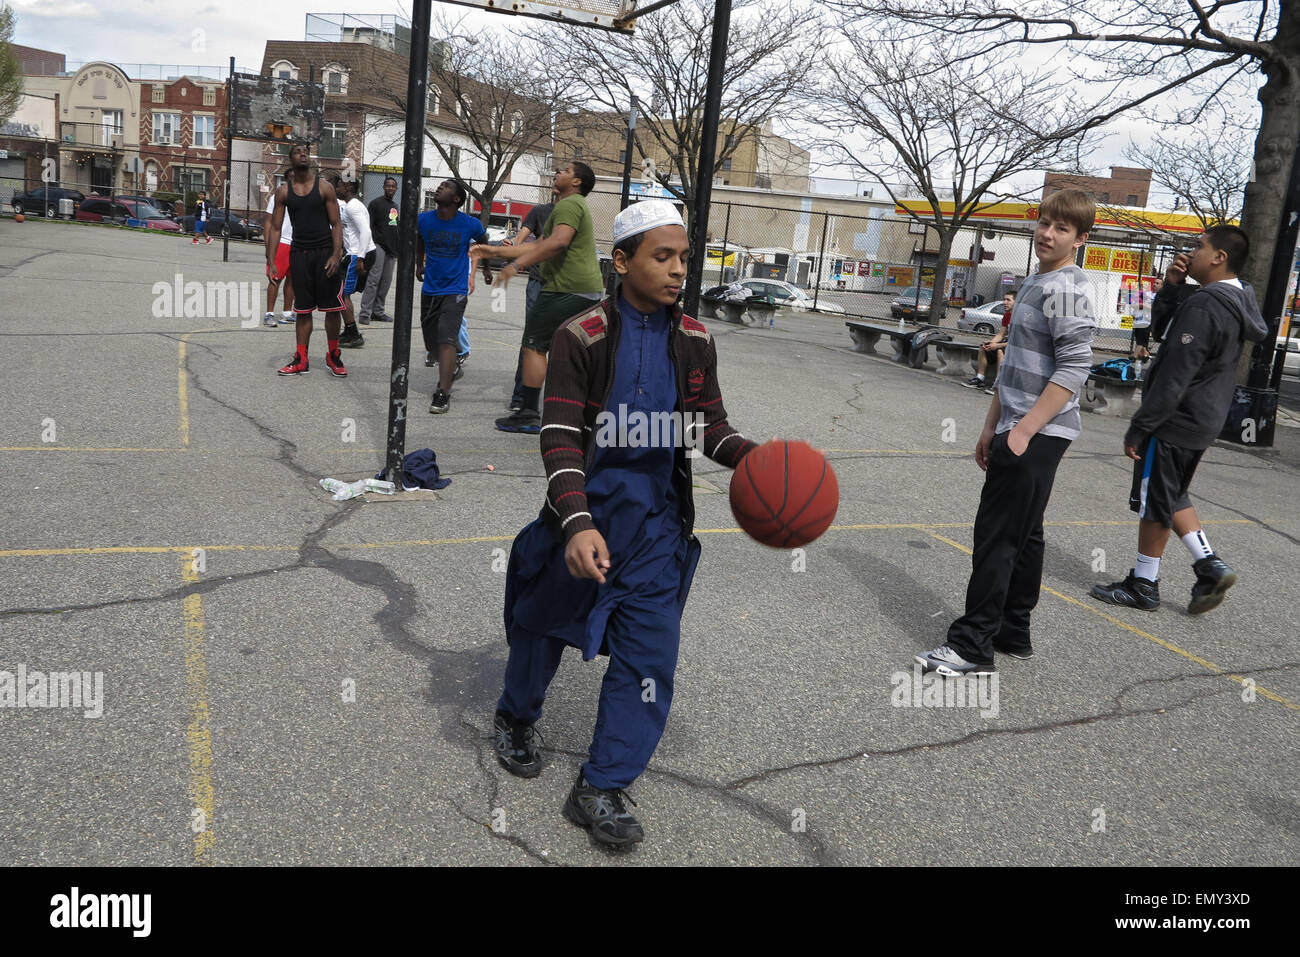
334	361
297	366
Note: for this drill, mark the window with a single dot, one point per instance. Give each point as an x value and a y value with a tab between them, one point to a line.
166	128
516	124
205	132
725	164
731	141
210	97
284	70
111	123
190	179
622	157
433	99
578	131
1132	200
331	142
157	93
428	199
577	152
1105	197
453	154
463	106
333	82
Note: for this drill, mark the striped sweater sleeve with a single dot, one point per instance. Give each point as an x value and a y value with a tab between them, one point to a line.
562	436
720	442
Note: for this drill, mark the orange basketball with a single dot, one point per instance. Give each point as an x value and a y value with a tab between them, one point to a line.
20	218
784	494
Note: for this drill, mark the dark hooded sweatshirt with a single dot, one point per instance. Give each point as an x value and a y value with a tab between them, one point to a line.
1189	387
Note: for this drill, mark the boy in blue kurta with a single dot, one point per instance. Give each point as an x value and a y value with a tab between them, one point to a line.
608	564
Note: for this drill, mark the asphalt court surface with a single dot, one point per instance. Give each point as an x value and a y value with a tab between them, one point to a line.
316	685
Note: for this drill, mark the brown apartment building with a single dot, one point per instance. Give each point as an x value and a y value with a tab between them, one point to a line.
759	159
1125	186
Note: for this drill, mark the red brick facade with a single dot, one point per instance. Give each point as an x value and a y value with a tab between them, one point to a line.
1126	186
185	97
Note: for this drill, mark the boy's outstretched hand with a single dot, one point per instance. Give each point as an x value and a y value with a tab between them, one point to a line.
587	555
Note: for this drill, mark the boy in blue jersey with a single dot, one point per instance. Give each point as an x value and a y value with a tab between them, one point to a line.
445	235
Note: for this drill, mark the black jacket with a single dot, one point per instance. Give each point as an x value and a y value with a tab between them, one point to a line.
1189	387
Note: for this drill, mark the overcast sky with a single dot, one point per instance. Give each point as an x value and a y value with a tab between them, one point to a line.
203	32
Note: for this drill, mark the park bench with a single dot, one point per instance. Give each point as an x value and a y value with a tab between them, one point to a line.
866	333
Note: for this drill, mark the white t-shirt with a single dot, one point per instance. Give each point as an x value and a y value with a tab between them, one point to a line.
355	218
286	227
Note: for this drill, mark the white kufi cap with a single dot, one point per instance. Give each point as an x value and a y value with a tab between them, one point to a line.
644	216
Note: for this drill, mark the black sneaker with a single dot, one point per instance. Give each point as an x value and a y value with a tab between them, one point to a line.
515	405
1014	651
974	382
351	338
440	403
528	421
1213	578
514	746
603	814
430	360
460	366
364	320
1132	592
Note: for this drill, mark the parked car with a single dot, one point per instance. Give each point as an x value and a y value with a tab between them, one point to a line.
101	209
45	199
163	206
239	227
154	217
982	320
1291	364
784	294
909	302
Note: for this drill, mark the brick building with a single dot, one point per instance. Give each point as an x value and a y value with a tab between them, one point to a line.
1125	186
182	137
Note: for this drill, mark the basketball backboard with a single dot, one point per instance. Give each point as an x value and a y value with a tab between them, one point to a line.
275	108
617	15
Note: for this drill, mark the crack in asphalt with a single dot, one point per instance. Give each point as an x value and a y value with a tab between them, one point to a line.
1118	712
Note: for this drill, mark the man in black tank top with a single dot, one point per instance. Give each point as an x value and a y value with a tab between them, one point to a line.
314	257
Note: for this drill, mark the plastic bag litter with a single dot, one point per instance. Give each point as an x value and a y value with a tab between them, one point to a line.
342	491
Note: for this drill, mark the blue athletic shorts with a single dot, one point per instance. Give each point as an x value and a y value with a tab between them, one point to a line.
350	276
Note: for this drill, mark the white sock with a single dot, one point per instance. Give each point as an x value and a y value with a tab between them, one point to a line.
1198	545
980	376
1147	567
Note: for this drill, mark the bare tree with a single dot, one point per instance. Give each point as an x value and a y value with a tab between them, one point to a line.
1170	56
771	52
940	129
491	99
1206	171
11	83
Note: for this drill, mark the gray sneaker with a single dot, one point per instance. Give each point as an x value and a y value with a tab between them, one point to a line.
603	814
952	665
513	742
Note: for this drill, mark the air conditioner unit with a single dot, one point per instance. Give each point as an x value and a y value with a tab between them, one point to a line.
163	141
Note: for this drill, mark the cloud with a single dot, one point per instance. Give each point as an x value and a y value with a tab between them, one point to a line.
53	8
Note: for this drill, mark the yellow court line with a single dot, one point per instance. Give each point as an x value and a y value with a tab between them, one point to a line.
182	388
199	733
1169	645
426	542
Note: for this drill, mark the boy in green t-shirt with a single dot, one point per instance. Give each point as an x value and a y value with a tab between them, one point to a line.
571	282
